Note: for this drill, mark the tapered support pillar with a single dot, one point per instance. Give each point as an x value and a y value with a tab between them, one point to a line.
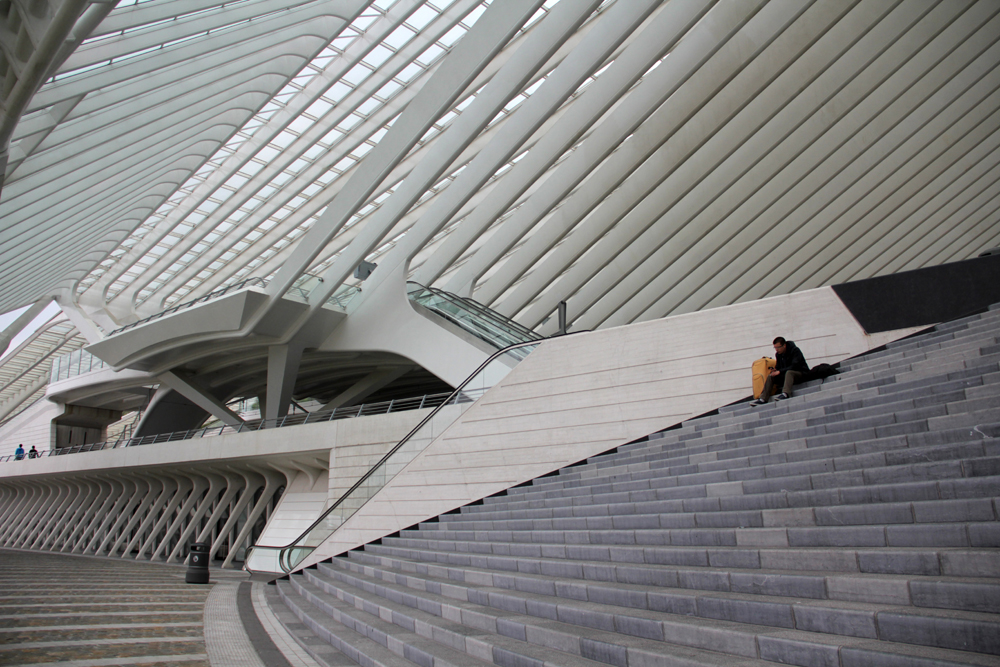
282	369
204	400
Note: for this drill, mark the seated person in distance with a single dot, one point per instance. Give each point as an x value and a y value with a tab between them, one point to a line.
791	367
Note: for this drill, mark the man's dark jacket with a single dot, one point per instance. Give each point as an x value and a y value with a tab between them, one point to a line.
791	359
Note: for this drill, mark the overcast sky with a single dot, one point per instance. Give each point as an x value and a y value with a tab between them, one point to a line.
43	317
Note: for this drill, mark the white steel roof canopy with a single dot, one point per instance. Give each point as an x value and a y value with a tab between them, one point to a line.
635	158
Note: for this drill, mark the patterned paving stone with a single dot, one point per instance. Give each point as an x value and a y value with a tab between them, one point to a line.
69	611
85	612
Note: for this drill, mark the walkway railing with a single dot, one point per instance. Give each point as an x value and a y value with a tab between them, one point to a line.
249	282
284	559
363	410
307	282
299	291
75	363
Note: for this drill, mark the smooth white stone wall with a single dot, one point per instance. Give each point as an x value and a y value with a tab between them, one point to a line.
584	394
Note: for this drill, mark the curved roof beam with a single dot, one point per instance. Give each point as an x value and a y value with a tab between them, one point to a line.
32	41
317	86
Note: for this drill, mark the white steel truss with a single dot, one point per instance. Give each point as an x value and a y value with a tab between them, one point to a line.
634	158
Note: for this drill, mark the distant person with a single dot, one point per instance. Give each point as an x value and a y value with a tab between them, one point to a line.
19	453
34	453
790	367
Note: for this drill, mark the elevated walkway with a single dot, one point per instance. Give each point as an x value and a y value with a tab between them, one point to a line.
854	524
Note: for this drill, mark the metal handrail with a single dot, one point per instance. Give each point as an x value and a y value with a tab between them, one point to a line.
350	412
187	304
453	398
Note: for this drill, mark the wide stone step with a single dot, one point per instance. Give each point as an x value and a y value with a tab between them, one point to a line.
318	648
357	646
784	509
429	625
924	403
861	513
758	462
568	624
926	432
975	339
538	596
891	467
800	573
738	417
857	523
960	566
697	459
983	534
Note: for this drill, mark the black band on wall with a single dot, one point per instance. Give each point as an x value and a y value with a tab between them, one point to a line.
924	296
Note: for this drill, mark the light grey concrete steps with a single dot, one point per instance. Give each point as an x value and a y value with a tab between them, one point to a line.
537	595
862	468
736	624
324	624
773	512
321	650
444	630
857	523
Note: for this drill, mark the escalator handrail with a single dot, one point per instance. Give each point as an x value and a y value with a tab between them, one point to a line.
452	397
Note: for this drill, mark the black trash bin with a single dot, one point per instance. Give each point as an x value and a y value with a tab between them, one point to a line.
197	572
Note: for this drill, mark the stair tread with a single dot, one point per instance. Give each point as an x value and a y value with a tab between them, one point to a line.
854	523
602	620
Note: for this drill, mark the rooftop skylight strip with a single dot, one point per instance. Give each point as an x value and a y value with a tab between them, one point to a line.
362	149
296	231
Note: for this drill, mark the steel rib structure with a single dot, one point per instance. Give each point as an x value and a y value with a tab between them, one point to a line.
634	158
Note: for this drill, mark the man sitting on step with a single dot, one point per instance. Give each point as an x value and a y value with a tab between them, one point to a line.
790	367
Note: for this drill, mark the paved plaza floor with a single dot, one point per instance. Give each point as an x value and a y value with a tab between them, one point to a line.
82	611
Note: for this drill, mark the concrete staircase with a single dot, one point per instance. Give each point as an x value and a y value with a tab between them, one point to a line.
854	524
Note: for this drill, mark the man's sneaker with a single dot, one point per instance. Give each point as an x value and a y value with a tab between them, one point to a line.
782	396
757	401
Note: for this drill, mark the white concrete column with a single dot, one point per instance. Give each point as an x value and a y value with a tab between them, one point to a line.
10	493
140	490
234	483
86	499
21	517
23	320
126	490
44	523
50	494
103	491
182	486
168	489
216	485
203	399
252	482
282	369
155	487
61	518
198	484
271	483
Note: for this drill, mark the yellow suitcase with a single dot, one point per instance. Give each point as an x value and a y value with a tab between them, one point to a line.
761	369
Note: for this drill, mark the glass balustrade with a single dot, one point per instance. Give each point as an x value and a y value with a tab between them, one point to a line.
488	325
222	291
284	559
306	283
75	363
